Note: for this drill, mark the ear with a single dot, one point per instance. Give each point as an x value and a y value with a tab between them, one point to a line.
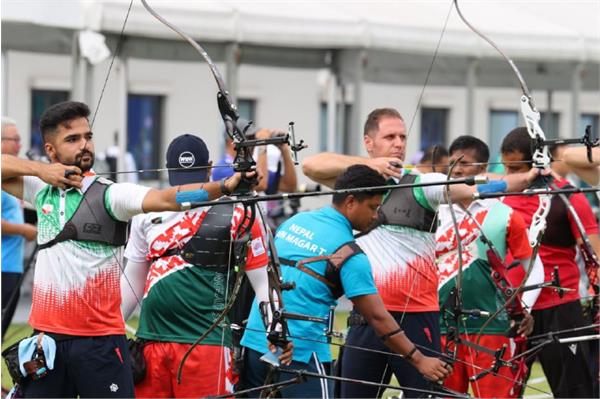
50	151
368	140
350	202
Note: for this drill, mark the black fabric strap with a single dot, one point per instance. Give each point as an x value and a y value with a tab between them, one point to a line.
410	354
387	336
287	262
47	244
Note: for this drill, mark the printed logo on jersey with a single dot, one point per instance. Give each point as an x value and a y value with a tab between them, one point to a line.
47	209
257	247
447	245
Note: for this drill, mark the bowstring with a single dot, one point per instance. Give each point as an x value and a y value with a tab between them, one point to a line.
97	108
418	106
430	68
112	61
459	277
383	352
222	358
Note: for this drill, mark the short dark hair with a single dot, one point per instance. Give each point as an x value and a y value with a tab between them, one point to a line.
434	154
372	122
358	176
517	140
61	114
481	149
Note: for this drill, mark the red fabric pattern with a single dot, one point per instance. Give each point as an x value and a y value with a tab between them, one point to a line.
92	310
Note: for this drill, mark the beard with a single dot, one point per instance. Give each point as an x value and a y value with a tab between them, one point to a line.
78	161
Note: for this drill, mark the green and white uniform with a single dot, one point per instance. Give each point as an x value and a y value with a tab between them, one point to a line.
508	233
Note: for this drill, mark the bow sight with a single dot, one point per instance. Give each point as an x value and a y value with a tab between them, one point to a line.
243	161
586	140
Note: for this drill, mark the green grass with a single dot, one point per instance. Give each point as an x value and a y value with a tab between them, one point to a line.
18	331
15	333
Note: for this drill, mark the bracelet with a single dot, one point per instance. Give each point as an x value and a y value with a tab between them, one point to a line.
385	337
409	355
223	187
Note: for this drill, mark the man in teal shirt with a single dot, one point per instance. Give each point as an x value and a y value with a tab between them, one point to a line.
319	233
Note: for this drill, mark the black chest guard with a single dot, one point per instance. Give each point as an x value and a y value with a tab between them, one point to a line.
558	231
400	208
335	261
91	221
210	245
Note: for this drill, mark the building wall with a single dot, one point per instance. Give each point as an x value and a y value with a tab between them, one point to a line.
281	95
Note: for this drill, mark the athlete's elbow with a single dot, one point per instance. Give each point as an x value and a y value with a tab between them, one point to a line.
309	168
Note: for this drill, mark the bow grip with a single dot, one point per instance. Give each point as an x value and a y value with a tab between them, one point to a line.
541	181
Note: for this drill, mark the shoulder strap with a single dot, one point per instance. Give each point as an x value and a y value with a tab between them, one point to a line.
343	253
91	220
335	262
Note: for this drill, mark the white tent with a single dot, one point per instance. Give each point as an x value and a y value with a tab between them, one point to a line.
530	29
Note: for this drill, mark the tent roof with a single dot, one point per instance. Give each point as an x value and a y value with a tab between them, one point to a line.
524	29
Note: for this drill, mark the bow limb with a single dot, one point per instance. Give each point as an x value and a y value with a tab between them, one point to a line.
213	68
453	332
277	325
230	116
541	156
514	308
241	240
243	161
541	159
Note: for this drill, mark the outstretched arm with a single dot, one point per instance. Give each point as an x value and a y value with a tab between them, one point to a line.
170	199
576	158
324	168
514	183
14	168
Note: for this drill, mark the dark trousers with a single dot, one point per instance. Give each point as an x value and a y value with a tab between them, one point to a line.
88	367
10	286
566	366
256	371
421	328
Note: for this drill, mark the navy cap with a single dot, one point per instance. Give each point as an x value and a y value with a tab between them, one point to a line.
187	151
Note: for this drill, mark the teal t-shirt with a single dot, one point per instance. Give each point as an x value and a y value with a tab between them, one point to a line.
12	244
305	235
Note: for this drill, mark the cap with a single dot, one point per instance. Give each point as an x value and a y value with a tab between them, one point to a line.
187	151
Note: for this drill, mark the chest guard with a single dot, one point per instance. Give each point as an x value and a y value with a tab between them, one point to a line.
91	221
334	262
558	231
401	208
210	245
